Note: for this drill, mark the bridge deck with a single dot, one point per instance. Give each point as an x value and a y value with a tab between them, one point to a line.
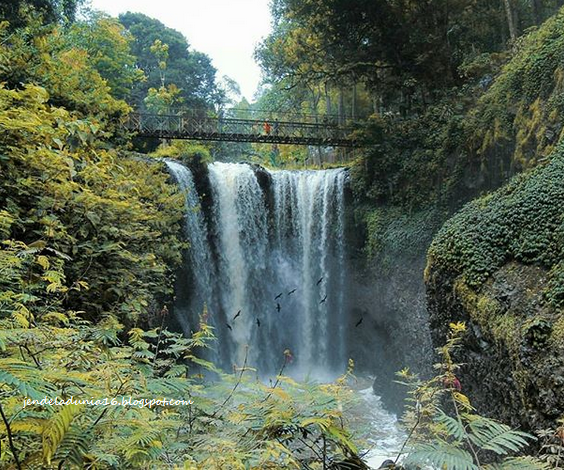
193	127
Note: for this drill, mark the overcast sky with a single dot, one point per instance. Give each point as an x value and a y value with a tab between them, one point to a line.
225	30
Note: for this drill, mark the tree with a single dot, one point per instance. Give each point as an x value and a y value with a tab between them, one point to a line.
511	15
52	11
108	45
191	71
405	53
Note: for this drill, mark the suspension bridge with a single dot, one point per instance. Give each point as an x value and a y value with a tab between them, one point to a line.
238	127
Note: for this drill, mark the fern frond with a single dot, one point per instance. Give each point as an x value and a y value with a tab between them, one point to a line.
32	426
497	437
56	429
441	454
23	377
452	425
168	387
74	446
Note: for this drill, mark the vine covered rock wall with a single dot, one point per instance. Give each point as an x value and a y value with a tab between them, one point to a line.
499	265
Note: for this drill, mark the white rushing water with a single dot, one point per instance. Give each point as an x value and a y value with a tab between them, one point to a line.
384	434
269	263
199	257
268	259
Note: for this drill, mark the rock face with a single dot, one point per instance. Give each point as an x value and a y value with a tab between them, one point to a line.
389	295
498	266
395	333
510	368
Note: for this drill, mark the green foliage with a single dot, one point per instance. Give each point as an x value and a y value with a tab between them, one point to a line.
185	151
523	108
51	11
393	234
552	449
234	422
191	71
40	55
378	41
522	221
59	202
458	439
108	47
386	45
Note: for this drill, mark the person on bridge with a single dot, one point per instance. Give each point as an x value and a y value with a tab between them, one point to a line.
267	128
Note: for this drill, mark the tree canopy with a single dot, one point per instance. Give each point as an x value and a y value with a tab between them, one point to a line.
191	71
393	47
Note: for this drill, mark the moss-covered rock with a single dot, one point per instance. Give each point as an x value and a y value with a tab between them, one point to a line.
497	265
520	116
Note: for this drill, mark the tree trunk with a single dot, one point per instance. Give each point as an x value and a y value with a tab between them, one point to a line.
341	106
315	97
353	106
511	15
327	101
537	11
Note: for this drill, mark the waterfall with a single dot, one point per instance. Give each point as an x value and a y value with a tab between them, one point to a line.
198	256
269	261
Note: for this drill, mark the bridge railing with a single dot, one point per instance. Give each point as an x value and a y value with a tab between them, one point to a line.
258	115
202	126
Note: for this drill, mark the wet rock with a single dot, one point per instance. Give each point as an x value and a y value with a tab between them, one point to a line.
512	370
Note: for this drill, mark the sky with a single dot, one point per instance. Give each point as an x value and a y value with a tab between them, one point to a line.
226	30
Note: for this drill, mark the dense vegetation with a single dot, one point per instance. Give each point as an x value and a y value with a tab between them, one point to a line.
90	233
497	264
521	222
436	108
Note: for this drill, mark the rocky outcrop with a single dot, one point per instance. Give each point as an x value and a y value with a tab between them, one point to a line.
498	266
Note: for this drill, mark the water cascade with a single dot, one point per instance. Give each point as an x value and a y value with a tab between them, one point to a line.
268	259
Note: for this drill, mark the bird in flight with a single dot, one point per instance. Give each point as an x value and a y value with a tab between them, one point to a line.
323	299
278	296
238	313
319	282
229	326
292	291
277	307
358	322
258	322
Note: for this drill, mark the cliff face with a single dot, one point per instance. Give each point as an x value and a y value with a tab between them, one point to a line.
498	265
389	295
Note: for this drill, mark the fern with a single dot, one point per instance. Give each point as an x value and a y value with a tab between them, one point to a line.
457	442
441	454
453	426
74	446
24	378
171	387
56	429
496	437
